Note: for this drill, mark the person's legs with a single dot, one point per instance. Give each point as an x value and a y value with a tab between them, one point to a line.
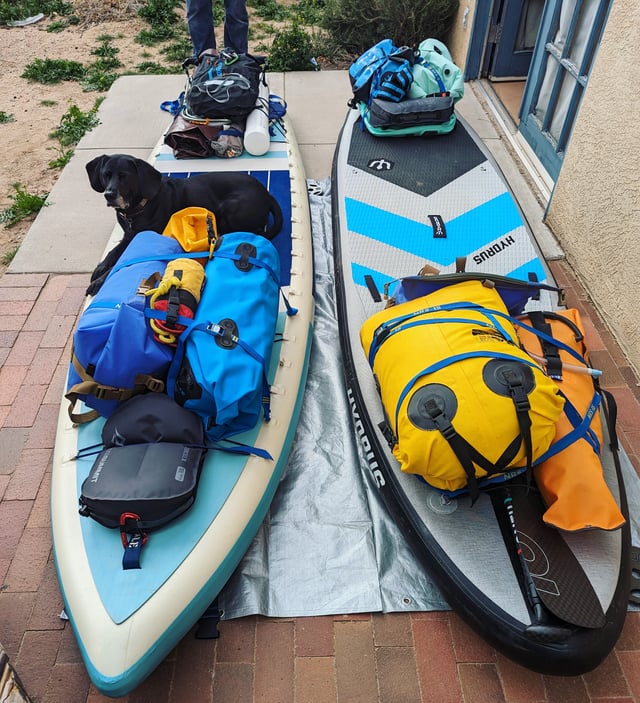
200	23
236	26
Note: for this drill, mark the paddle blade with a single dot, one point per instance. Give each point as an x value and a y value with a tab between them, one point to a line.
559	579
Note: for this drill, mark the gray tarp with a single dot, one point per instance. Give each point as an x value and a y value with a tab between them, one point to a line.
328	545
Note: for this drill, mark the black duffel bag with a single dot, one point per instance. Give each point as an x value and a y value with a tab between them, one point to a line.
148	473
223	85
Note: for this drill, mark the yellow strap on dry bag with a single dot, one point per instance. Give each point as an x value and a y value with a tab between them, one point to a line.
571	482
195	228
447	364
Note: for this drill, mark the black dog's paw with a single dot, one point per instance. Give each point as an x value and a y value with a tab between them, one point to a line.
100	270
95	285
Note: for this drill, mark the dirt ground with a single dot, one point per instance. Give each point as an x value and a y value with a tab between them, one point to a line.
25	145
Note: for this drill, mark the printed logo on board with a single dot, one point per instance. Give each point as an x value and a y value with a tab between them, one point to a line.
494	249
380	165
364	441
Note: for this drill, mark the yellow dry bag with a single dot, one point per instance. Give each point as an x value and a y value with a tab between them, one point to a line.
463	401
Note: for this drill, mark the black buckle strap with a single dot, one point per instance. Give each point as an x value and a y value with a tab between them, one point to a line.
458	444
522	405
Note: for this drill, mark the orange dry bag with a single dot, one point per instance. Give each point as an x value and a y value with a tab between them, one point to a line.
571	481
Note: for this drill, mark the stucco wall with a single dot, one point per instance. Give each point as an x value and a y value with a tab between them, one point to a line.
595	208
460	34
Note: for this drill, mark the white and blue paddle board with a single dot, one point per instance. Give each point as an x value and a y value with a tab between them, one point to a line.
400	204
127	621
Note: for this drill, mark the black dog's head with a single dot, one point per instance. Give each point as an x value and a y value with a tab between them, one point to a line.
125	180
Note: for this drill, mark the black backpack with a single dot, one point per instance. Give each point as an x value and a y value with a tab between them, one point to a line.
223	85
148	473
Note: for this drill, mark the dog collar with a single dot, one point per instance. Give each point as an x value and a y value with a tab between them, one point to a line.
132	212
125	217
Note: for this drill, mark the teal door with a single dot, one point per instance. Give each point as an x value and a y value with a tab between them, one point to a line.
512	37
570	32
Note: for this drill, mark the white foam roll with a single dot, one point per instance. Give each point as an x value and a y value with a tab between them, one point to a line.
256	131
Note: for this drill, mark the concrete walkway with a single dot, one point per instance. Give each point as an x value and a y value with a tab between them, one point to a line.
398	658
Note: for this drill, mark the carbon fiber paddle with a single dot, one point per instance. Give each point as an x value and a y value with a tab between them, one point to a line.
551	572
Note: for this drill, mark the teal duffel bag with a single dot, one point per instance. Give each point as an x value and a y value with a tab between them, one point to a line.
219	370
429	104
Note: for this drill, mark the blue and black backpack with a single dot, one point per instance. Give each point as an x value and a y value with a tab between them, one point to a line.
384	71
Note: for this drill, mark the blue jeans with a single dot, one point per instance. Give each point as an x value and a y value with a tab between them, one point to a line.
200	22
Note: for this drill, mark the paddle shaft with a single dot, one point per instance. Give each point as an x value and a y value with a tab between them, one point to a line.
530	588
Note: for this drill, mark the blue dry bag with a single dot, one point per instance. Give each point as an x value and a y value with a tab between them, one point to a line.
114	353
220	366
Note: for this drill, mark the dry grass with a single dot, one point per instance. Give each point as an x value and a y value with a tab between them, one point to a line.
93	12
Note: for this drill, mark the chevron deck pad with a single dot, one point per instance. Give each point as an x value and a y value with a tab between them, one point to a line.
406	207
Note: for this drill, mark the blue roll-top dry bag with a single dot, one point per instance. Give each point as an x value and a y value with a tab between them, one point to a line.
115	355
220	366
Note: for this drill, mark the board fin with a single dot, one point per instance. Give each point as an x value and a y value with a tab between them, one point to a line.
207	626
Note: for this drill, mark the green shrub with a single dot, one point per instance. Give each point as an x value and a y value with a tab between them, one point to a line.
153	68
75	123
292	50
270	10
159	12
53	71
311	11
358	25
163	20
9	256
177	51
24	204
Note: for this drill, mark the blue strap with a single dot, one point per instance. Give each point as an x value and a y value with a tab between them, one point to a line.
251	260
551	340
133	551
239	448
173	106
152	314
290	309
582	429
436	75
490	314
395	325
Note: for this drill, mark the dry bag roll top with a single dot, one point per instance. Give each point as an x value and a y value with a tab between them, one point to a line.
572	482
194	227
463	401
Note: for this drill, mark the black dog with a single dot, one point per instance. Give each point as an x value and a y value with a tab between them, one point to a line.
145	199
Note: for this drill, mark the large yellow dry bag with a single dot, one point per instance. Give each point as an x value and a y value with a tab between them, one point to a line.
571	481
463	401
